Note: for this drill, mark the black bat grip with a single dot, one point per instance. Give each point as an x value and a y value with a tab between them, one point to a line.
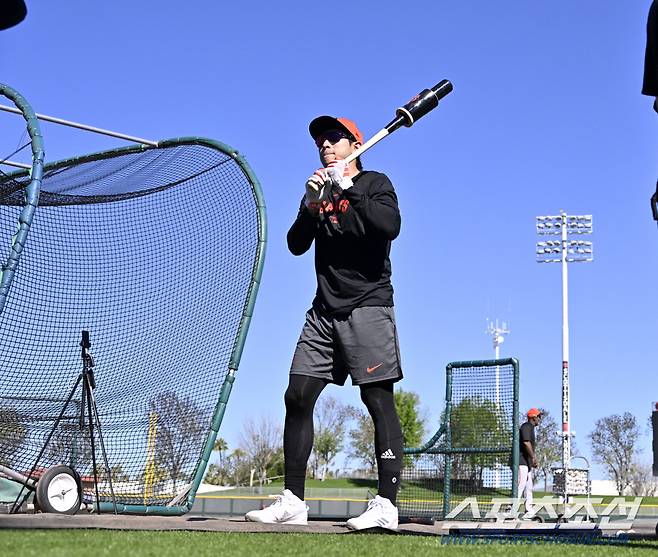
421	104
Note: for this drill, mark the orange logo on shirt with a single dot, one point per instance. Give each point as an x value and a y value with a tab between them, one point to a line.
373	368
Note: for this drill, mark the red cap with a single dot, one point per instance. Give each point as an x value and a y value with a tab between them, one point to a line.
322	124
534	412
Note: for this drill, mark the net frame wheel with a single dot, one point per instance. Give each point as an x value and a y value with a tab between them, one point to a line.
59	491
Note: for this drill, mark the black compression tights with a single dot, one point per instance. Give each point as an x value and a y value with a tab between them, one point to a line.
300	398
379	400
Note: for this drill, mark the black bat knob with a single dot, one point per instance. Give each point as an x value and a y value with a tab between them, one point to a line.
421	104
442	88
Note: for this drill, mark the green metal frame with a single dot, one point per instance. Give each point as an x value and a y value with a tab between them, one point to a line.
31	191
247	312
441	441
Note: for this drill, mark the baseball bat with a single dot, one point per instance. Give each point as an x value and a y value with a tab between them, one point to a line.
407	115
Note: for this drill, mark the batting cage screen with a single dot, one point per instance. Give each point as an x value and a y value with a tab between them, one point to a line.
475	452
157	252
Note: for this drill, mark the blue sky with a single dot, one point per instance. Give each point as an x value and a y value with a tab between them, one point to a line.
546	114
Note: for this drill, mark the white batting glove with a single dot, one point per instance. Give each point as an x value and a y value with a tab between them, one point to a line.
338	173
315	190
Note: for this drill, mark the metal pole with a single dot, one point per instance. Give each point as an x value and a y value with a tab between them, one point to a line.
566	435
17	164
85	127
497	356
28	482
580	252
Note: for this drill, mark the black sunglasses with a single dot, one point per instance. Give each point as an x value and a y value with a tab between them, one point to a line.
332	137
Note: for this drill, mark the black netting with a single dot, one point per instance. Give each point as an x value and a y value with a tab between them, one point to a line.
422	482
477	446
154	253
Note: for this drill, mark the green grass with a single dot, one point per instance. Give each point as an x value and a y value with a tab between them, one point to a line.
115	543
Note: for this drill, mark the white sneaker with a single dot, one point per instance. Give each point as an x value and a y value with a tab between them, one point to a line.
287	509
380	513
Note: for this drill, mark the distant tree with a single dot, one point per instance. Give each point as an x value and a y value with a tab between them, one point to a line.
234	469
215	475
412	420
117	473
220	447
362	439
613	446
12	434
362	434
239	467
151	477
330	423
261	442
642	481
70	445
276	469
549	446
476	422
180	429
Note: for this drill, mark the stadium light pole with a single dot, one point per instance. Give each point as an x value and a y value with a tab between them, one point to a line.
497	333
564	251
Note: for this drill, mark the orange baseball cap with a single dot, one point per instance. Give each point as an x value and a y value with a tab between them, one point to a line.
534	412
322	124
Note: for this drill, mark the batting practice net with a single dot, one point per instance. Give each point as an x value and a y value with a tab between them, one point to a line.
474	454
157	252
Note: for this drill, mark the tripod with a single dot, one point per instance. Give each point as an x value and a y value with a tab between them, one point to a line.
89	420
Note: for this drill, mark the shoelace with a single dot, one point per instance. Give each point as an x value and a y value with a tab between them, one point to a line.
372	504
278	500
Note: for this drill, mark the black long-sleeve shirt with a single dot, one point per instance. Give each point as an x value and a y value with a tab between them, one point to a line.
353	235
650	83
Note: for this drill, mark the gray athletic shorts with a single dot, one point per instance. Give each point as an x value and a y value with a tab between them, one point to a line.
363	345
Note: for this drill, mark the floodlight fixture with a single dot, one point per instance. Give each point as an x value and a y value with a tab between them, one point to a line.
574	224
575	251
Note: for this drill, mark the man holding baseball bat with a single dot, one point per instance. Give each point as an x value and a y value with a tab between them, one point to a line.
650	82
352	216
